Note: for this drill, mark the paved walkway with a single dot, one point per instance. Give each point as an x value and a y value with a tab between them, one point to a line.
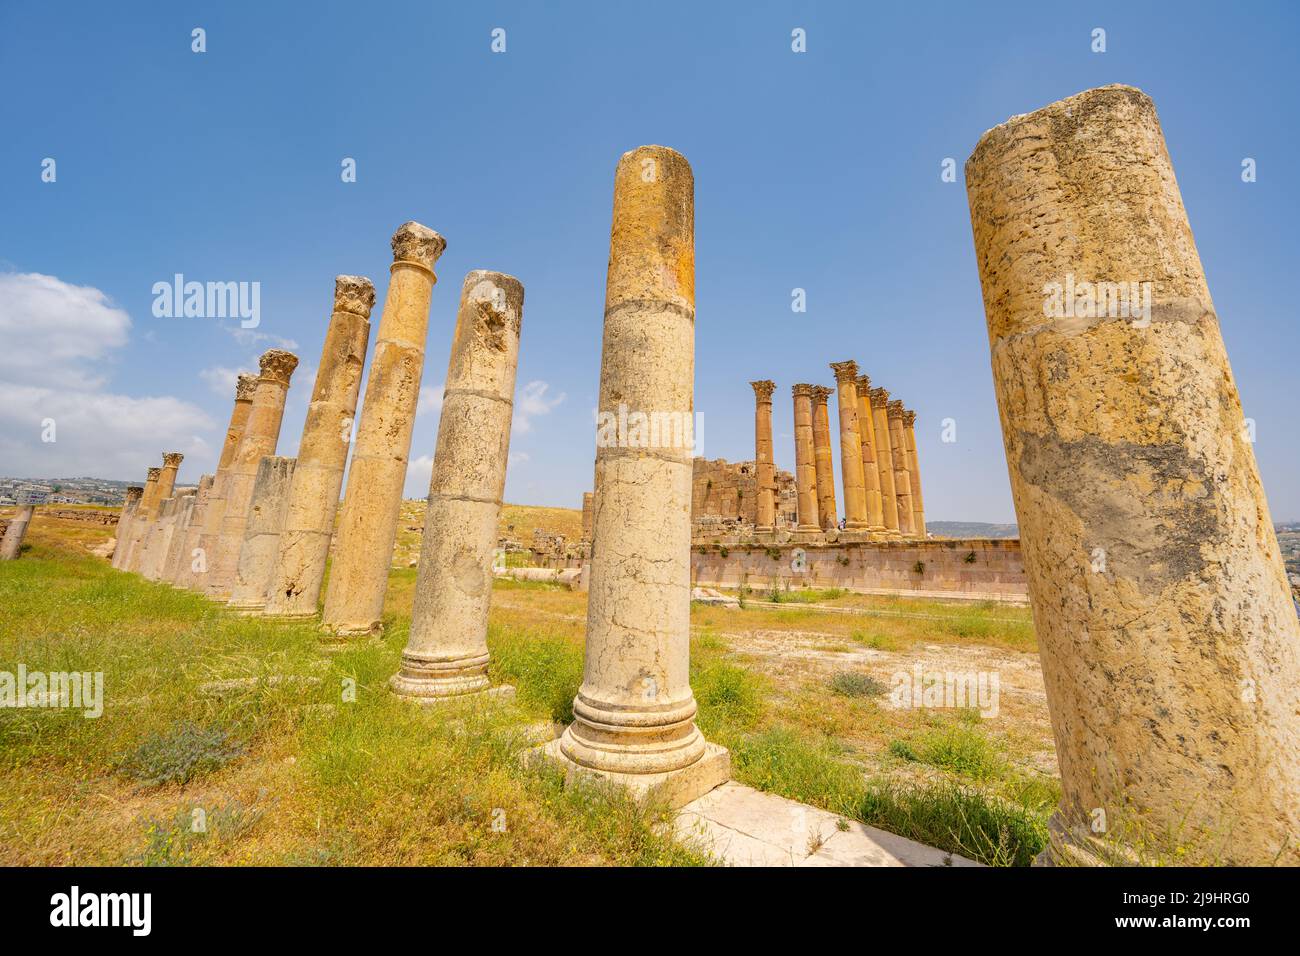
747	827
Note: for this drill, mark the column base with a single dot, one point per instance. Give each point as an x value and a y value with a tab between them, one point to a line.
422	692
1078	846
247	607
333	640
300	618
676	788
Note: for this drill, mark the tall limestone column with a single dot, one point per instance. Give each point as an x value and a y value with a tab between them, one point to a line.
447	654
12	542
1169	642
764	466
902	477
805	469
885	460
266	512
827	514
261	433
855	494
914	470
142	521
363	548
178	553
634	715
313	501
870	471
154	533
211	508
129	509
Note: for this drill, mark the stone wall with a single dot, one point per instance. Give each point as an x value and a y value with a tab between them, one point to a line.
729	490
971	569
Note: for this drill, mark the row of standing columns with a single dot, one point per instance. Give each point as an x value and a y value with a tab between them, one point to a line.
880	475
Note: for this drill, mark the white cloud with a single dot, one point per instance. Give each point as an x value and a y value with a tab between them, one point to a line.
533	402
56	337
247	337
430	399
221	379
54	333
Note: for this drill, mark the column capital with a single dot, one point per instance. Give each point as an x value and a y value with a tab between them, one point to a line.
153	474
172	459
864	384
801	390
909	418
845	372
895	409
355	294
763	389
418	244
245	385
879	396
133	492
277	365
820	393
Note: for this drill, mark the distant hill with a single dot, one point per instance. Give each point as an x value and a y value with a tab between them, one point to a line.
971	529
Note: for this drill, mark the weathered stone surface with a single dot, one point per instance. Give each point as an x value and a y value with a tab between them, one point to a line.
855	493
902	477
266	513
827	514
1169	643
129	508
210	507
870	472
178	551
447	653
885	460
142	521
765	467
363	546
322	453
914	471
634	714
16	530
261	434
805	460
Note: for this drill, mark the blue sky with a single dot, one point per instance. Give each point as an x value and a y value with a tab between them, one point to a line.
818	170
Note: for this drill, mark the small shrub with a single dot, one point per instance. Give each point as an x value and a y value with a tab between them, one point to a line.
919	567
855	684
970	558
181	754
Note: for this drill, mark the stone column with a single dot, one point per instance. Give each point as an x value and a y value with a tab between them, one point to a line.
15	532
261	433
363	550
914	470
902	477
1169	641
142	521
129	509
159	539
447	654
870	471
805	469
588	498
634	715
855	494
266	513
313	501
885	460
178	554
162	492
211	507
764	466
827	513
